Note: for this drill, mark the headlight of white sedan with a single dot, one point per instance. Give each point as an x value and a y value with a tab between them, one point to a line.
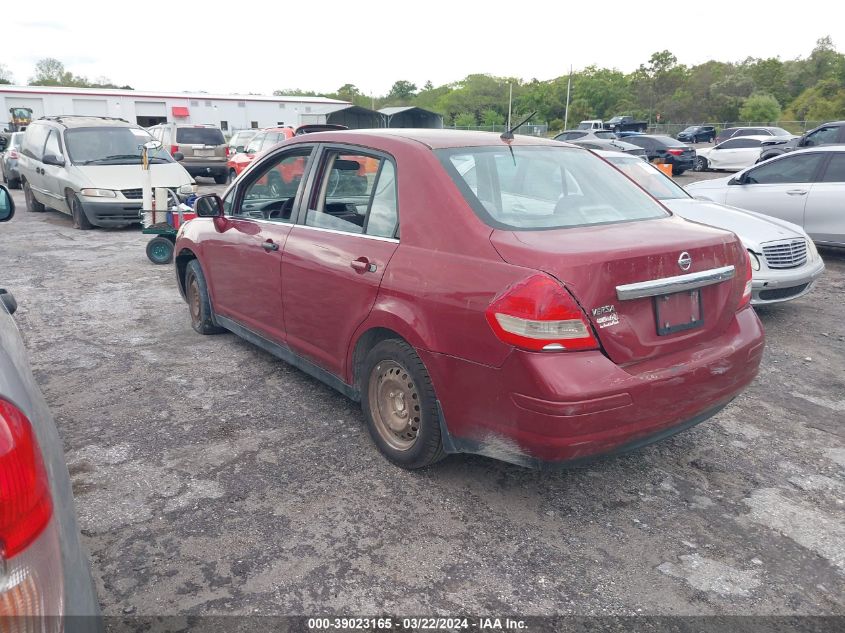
813	253
755	261
188	189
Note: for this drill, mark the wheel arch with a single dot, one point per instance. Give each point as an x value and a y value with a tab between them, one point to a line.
181	261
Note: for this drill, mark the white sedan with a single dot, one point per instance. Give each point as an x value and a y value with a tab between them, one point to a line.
784	260
805	187
734	154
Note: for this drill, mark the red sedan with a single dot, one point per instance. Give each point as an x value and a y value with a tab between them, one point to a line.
522	300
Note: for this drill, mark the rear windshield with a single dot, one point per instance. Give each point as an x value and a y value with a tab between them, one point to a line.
199	136
668	141
544	187
779	131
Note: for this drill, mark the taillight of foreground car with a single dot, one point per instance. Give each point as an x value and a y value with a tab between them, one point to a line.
675	152
539	314
31	587
746	290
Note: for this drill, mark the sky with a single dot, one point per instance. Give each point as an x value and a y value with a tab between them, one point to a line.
259	46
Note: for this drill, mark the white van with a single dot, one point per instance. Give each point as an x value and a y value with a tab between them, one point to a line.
90	168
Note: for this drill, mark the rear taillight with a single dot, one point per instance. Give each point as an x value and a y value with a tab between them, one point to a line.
539	314
675	152
13	153
174	149
30	557
746	291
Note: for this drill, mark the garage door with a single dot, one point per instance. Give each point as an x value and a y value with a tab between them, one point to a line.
151	108
90	107
36	103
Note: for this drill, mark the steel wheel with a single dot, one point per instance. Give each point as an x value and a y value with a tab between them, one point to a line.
194	300
394	404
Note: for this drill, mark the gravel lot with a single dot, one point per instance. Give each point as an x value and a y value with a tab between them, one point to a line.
212	478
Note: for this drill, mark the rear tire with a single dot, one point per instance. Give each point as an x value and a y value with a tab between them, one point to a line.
160	250
232	175
199	304
32	205
221	179
14	184
678	172
400	405
80	220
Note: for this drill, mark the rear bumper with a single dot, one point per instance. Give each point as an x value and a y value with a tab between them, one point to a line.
205	168
111	214
539	409
774	286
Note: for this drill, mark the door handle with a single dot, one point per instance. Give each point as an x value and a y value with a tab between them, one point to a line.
797	192
363	265
270	245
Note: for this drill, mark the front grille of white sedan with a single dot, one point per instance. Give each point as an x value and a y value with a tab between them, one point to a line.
786	253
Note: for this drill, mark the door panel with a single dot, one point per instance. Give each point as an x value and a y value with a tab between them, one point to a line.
824	217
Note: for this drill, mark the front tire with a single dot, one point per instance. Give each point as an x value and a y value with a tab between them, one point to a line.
199	304
700	164
221	179
32	205
232	175
80	220
400	405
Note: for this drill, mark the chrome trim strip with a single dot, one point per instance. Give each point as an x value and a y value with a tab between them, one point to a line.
369	237
679	283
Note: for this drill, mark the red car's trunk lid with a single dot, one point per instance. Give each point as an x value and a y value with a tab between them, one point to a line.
592	261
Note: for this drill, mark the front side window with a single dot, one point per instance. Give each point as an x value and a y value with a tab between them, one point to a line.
357	194
111	146
34	139
740	143
53	146
824	136
792	169
545	187
271	192
254	145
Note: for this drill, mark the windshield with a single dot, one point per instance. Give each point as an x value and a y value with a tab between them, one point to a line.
540	187
692	128
110	146
648	177
199	136
585	125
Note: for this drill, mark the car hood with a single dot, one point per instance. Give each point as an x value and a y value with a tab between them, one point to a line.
713	183
704	151
132	176
752	228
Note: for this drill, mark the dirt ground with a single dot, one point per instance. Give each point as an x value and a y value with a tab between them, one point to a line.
212	478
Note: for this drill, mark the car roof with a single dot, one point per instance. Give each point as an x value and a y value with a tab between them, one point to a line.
756	137
606	153
77	120
431	138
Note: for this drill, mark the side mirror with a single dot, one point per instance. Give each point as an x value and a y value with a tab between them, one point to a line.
53	159
737	180
178	156
240	149
209	205
7	205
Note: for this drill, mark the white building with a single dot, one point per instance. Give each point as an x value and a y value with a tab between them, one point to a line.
229	112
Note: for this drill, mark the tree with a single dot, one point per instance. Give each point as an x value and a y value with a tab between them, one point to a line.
491	117
348	92
760	107
294	92
5	75
465	119
401	91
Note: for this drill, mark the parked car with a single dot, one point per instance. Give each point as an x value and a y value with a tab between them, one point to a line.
203	147
240	139
732	155
9	161
775	278
562	313
730	132
666	149
611	145
90	168
805	187
626	124
827	134
697	134
267	138
44	571
571	135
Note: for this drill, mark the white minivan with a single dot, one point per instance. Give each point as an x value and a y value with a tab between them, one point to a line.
90	167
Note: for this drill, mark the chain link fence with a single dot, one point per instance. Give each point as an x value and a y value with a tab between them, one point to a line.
530	129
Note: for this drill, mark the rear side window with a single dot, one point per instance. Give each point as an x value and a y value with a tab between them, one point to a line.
740	142
33	141
357	194
835	171
199	136
545	187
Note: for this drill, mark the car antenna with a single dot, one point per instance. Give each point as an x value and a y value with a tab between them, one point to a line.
507	136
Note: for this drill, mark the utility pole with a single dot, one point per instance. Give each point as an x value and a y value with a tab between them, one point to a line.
510	102
566	112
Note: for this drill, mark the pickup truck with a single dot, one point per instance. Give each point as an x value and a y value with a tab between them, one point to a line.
617	124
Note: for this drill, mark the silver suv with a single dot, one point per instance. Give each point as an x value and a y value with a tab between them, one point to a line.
203	147
90	168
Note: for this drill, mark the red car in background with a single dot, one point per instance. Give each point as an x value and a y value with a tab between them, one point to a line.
267	138
522	300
